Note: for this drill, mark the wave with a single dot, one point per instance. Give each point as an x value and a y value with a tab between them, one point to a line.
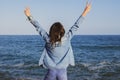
101	46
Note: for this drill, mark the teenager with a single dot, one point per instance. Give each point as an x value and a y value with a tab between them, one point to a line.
57	54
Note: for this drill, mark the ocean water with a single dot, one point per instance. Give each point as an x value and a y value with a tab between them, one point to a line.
97	57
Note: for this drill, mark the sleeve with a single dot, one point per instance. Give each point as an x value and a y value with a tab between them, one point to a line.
71	57
42	57
72	31
38	27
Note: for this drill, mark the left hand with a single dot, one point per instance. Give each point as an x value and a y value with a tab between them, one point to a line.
27	12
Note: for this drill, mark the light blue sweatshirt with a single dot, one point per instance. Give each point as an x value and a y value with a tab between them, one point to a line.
60	55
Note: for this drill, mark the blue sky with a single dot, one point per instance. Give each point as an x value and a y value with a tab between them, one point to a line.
104	18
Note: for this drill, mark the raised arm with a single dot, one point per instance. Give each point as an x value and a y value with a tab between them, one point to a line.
76	25
35	23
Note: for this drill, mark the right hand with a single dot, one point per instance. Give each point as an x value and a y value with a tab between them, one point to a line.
27	12
87	9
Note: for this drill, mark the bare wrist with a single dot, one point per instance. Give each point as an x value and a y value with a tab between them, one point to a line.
83	14
29	18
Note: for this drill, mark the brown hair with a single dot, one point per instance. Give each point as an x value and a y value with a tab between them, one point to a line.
56	32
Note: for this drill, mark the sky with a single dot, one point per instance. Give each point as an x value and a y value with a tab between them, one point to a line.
103	19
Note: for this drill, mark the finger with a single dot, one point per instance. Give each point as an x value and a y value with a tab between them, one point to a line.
90	2
27	8
86	2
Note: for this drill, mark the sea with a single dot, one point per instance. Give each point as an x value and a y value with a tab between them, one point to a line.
97	57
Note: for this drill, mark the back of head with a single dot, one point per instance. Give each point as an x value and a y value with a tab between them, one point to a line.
56	32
